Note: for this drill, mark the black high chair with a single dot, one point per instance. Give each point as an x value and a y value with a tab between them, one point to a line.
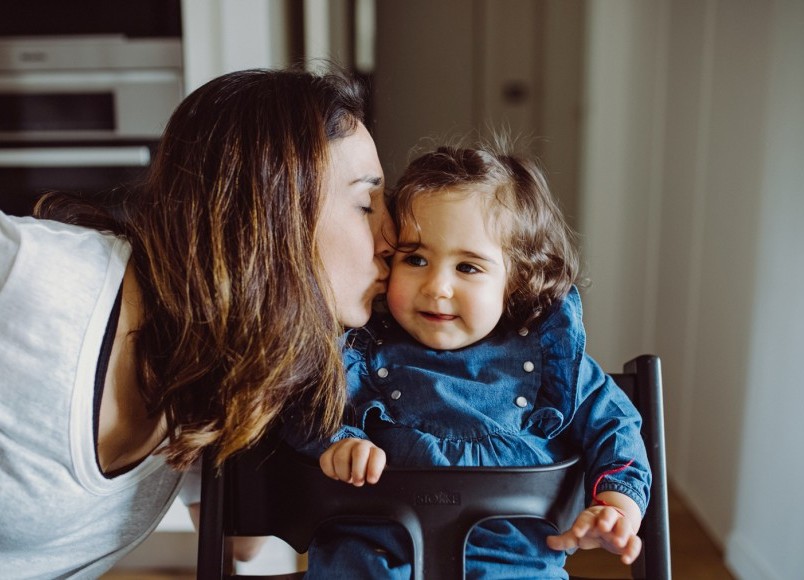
271	490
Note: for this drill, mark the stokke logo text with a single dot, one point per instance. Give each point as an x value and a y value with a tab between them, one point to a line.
29	56
438	498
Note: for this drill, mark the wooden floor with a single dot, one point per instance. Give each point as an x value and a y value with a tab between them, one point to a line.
694	556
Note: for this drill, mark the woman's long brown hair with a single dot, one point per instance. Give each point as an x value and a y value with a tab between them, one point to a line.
237	320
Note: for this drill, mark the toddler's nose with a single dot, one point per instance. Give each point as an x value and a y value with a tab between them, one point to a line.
437	286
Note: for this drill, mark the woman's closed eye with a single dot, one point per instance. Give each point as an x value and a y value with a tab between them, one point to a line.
366	204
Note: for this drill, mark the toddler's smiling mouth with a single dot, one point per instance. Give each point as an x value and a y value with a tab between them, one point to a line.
438	317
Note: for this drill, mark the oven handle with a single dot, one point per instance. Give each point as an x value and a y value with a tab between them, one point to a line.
75	157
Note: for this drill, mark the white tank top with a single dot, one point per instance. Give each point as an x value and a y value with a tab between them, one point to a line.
59	516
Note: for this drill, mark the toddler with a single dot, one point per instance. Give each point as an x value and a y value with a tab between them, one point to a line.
480	361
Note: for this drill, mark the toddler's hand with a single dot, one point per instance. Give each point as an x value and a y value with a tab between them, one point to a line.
601	527
355	461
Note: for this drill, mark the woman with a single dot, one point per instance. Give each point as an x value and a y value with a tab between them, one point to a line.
216	297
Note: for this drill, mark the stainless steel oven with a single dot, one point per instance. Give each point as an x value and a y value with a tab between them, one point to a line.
82	111
87	88
90	169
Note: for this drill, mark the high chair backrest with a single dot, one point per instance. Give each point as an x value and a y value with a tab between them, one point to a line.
272	490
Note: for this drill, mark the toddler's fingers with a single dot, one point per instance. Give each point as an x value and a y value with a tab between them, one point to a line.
583	524
359	458
376	463
562	542
623	533
632	550
327	464
342	461
608	518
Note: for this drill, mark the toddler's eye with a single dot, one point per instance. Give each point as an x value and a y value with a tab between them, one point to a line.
468	268
414	260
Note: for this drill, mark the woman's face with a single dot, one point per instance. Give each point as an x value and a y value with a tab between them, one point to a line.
353	226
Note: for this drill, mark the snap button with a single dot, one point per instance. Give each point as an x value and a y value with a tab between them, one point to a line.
396	394
379	342
521	402
523	331
528	366
382	373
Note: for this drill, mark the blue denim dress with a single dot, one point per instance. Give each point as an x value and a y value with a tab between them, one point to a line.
521	396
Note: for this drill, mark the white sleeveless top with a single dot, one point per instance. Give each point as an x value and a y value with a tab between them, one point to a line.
59	516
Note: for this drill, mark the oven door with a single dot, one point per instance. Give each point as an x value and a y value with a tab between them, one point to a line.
89	106
90	170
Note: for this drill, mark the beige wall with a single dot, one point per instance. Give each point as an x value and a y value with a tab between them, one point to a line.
766	539
442	67
427	66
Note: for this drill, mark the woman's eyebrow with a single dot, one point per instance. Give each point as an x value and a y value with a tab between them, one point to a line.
374	180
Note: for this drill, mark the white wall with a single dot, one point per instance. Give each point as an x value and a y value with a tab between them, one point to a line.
622	145
692	197
731	97
767	536
221	36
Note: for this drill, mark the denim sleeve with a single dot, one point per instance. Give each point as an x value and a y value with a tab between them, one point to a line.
607	425
313	446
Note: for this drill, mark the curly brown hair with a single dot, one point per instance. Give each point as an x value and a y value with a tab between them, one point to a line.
541	257
238	325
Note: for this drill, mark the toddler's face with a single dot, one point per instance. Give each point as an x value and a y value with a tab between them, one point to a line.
450	292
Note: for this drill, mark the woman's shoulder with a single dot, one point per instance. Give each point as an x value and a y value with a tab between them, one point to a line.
57	261
49	239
